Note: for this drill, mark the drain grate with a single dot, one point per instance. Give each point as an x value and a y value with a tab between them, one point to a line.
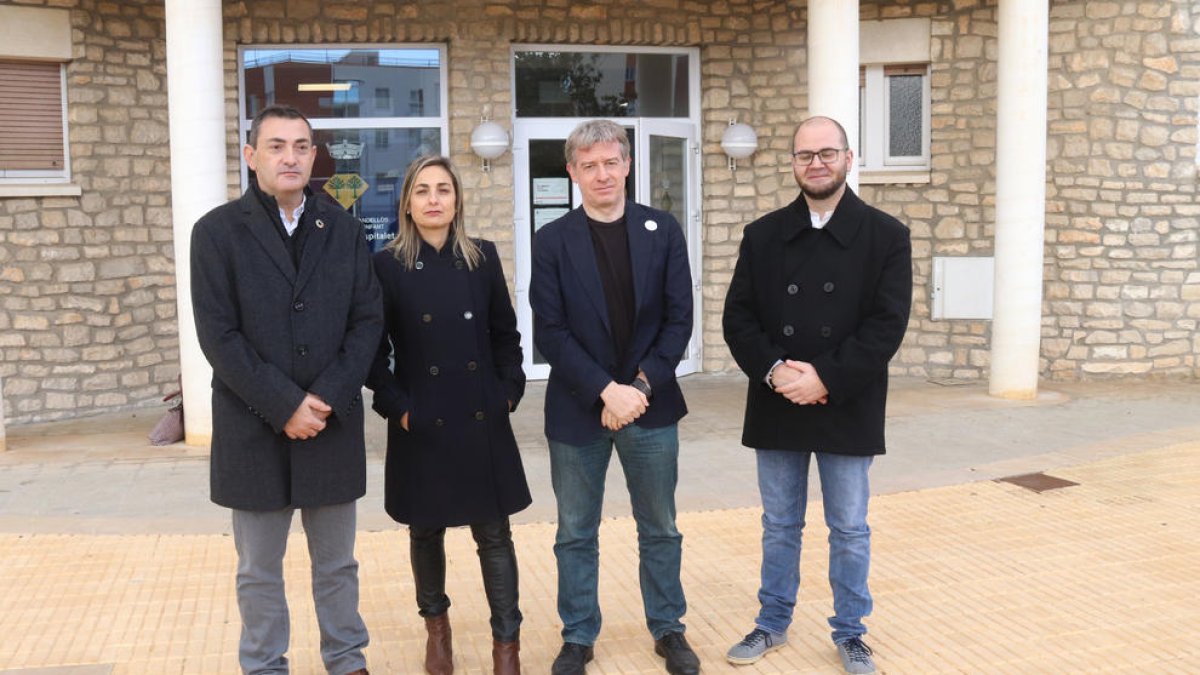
1038	482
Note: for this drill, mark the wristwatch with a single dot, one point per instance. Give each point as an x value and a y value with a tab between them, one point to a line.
642	386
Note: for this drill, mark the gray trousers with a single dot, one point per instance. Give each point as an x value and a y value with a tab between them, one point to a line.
261	540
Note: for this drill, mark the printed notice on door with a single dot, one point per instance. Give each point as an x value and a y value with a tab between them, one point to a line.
547	214
551	191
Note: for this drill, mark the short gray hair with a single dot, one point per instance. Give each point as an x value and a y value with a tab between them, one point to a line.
592	133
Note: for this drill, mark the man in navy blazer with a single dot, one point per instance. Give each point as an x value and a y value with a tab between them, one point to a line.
612	304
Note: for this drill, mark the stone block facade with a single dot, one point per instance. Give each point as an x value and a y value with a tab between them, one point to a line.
87	295
87	284
1122	214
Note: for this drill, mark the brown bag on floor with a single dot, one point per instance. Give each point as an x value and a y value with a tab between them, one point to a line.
170	428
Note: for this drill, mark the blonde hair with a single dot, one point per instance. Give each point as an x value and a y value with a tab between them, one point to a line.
407	244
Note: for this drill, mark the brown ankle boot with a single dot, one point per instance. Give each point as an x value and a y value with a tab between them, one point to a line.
439	652
506	657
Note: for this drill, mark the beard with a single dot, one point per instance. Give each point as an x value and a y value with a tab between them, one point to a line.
814	192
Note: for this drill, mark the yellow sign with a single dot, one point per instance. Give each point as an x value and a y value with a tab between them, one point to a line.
346	188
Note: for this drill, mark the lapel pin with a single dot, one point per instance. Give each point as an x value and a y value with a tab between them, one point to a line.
320	224
651	225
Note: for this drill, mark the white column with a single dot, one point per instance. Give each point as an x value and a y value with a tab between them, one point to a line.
196	107
833	67
1020	197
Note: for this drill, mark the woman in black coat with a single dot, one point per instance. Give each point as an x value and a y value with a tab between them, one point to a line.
456	375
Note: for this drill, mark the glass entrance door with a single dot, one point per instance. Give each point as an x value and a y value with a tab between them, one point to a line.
664	174
667	177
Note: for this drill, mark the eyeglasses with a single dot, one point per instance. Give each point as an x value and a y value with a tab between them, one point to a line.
827	155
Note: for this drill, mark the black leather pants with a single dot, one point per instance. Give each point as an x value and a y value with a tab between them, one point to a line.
497	561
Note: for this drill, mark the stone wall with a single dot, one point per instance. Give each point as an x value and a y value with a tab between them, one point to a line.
1121	265
87	311
1123	214
87	285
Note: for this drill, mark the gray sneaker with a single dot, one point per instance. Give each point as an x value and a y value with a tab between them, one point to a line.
856	657
754	646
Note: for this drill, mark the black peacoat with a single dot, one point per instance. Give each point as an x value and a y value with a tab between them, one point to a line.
838	298
274	331
452	336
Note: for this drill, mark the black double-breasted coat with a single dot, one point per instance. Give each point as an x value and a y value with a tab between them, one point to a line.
836	297
451	333
274	331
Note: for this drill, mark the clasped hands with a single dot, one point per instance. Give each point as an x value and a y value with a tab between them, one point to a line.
798	382
622	405
309	418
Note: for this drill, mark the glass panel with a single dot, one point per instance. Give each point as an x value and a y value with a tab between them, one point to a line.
345	83
668	176
601	84
905	94
550	192
363	170
668	183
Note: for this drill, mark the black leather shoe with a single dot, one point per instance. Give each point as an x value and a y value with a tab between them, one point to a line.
572	659
681	660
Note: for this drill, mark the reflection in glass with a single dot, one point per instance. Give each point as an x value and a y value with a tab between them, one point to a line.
364	176
905	93
601	84
668	175
345	83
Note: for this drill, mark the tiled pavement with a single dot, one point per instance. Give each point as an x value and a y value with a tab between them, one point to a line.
111	560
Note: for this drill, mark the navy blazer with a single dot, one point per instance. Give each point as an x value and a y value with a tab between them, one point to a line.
571	327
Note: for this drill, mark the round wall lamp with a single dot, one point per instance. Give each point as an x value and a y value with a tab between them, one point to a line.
489	140
739	142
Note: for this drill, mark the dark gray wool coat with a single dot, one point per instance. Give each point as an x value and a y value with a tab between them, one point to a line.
273	332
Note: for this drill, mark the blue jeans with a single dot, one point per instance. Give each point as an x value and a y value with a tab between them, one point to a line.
649	458
845	491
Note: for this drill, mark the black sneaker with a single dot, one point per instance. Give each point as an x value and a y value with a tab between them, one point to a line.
681	660
572	659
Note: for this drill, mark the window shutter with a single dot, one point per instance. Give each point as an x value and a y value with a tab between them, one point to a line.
31	116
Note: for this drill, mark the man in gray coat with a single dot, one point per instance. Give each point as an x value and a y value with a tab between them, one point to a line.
818	304
289	314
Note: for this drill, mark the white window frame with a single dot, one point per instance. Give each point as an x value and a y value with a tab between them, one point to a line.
40	34
441	121
875	164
